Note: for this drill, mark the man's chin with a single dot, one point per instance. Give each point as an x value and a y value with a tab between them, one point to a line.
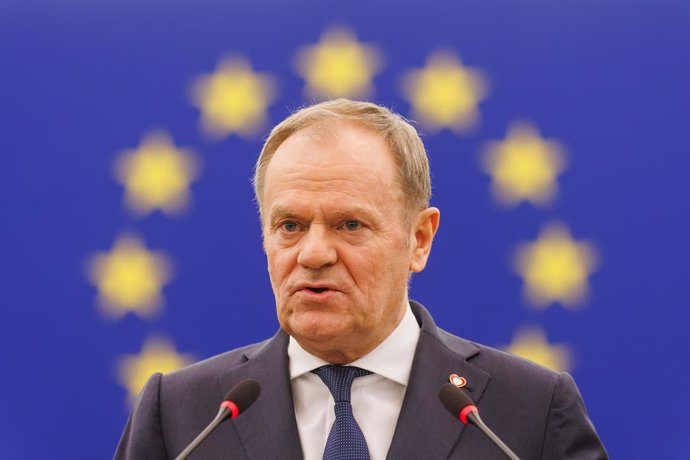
318	335
317	328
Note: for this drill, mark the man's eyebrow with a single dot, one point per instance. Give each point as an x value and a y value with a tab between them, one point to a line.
281	212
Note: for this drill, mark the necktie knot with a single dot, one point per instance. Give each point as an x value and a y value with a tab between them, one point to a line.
339	379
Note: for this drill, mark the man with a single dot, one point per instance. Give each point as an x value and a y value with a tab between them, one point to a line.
343	190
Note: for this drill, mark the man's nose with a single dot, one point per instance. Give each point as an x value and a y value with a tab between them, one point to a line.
317	249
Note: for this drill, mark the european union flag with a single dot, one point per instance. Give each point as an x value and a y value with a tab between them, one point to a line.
130	242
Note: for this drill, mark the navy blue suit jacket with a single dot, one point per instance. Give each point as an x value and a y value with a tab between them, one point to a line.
538	413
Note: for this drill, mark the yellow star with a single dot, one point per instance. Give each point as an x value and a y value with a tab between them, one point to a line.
338	66
523	167
157	355
445	94
555	268
157	175
129	278
532	344
233	99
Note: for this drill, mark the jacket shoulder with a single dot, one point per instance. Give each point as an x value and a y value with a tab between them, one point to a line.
500	364
174	407
209	369
521	390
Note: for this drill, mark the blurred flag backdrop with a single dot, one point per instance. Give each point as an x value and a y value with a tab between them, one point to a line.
558	138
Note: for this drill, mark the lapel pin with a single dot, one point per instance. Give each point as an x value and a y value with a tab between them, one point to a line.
458	381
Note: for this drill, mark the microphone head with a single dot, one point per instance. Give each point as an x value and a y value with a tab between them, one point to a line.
454	399
243	395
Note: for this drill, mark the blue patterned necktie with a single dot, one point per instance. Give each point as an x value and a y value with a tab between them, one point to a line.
345	441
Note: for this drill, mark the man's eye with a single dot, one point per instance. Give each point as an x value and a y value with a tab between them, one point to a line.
289	226
352	225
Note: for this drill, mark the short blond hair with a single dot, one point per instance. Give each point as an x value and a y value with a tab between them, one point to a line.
402	139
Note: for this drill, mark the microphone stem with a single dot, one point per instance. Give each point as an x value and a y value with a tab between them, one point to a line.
211	426
477	421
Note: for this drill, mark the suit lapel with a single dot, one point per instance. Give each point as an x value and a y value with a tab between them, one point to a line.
268	428
425	429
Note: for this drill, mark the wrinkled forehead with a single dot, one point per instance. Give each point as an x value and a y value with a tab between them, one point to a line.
336	151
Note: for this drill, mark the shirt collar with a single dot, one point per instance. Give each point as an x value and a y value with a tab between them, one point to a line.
391	359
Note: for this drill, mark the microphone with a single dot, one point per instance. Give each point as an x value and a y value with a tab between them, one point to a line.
461	405
238	399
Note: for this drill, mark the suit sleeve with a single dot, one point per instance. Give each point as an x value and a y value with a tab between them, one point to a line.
143	434
569	432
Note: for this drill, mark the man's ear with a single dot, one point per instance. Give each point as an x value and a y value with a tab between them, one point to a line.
424	229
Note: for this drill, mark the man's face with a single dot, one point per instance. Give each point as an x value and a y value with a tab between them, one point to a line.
339	252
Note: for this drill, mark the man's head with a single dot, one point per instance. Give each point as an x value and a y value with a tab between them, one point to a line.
343	188
402	139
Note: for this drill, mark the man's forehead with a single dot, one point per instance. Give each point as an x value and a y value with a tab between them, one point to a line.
340	157
345	144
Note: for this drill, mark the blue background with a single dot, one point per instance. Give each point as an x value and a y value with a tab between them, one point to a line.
82	81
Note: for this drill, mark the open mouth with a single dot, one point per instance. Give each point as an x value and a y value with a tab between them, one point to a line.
317	290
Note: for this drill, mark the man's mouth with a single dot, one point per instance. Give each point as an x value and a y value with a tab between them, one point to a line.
317	293
314	288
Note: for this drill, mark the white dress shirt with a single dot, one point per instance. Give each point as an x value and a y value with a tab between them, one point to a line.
376	398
